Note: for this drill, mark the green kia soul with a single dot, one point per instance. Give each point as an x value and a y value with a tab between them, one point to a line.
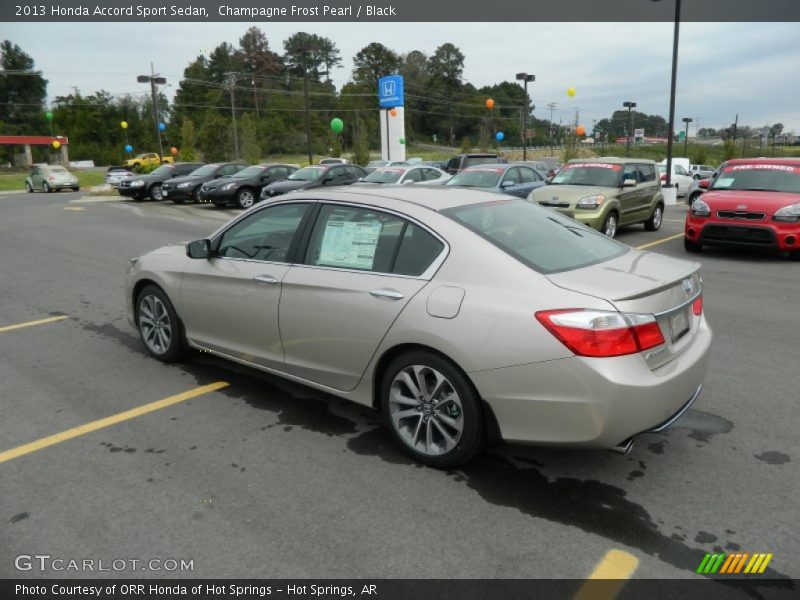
606	193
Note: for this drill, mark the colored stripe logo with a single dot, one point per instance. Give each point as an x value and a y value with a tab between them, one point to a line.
732	564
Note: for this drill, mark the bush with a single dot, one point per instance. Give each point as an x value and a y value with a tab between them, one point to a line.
700	156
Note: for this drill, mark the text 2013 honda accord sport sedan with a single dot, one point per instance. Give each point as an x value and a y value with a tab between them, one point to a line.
464	316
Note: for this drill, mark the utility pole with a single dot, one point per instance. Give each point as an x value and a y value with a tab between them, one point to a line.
308	114
629	105
154	80
231	86
551	106
688	120
255	94
735	126
525	78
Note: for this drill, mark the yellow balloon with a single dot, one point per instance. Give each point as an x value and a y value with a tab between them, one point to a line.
571	92
56	144
124	124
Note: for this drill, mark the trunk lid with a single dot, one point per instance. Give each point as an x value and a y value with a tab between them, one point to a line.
645	283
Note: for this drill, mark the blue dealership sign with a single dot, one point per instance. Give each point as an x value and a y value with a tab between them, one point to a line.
390	91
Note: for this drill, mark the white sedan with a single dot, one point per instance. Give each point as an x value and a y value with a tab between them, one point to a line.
680	178
406	174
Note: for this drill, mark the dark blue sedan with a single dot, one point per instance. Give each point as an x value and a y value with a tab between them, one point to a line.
517	180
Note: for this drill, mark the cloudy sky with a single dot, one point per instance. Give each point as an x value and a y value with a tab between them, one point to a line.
724	68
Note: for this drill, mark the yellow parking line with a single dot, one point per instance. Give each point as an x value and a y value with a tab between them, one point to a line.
661	241
617	566
32	323
108	421
75	208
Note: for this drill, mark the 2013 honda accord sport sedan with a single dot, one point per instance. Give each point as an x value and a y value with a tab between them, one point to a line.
463	316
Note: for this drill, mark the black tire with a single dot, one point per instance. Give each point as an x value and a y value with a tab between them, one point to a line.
178	200
28	187
148	301
46	187
691	246
794	255
654	222
138	197
611	224
155	192
245	198
467	442
76	189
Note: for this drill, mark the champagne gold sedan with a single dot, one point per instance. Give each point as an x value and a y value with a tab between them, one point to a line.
463	316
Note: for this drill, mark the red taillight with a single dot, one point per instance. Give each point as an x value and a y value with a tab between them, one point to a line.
663	178
697	306
51	178
602	334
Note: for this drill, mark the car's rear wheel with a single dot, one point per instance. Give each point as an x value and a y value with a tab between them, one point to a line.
691	246
158	325
155	192
46	187
178	200
654	222
76	189
431	409
245	198
610	224
28	187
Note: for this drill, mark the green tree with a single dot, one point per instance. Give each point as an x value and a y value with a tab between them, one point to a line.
215	137
306	51
22	96
188	140
251	150
373	62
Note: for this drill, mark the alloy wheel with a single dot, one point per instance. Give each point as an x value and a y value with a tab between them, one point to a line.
426	410
155	193
155	325
657	216
246	199
610	228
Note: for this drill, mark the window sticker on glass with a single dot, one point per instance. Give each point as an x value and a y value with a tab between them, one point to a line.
559	178
350	245
723	182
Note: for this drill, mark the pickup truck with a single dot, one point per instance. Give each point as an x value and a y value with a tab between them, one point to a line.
146	159
462	161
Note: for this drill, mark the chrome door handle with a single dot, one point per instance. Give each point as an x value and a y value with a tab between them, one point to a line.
387	293
265	279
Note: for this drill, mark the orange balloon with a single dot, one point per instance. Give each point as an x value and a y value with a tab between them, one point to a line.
581	130
393	112
174	150
489	103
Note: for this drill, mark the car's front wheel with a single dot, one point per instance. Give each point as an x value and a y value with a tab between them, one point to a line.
691	246
610	224
156	193
432	410
245	198
28	187
654	222
158	325
46	187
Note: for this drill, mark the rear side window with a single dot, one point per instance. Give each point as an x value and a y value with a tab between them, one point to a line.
417	251
538	237
647	173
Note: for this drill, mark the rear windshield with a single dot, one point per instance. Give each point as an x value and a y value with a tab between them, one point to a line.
205	170
480	160
593	174
249	172
766	177
538	237
482	178
307	174
163	170
384	176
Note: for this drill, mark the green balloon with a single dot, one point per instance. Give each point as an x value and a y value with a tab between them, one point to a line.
402	140
48	115
337	125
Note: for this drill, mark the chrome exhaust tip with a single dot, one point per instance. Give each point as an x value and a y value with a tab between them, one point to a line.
623	447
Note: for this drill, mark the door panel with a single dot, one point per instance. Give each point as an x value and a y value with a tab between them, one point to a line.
332	321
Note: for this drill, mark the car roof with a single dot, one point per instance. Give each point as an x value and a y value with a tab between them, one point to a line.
614	160
795	162
433	197
493	167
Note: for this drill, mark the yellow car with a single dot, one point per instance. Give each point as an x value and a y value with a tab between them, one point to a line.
146	159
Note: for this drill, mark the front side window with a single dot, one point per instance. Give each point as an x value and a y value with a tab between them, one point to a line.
350	237
265	235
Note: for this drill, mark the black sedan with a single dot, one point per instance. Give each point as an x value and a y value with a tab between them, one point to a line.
181	189
244	188
140	187
313	177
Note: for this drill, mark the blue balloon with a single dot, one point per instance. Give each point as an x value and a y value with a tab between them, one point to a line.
128	148
499	137
161	127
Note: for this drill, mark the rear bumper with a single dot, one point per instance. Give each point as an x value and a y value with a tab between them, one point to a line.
593	402
730	232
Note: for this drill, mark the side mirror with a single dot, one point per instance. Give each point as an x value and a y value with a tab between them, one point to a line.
506	184
629	183
407	182
704	183
199	249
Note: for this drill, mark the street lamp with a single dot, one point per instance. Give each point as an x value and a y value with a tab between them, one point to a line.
671	128
525	78
629	105
154	80
686	120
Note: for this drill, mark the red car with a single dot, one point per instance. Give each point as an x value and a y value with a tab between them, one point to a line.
753	202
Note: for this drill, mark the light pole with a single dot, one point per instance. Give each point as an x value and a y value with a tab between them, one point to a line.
305	98
231	86
671	127
551	106
686	120
629	105
525	78
154	80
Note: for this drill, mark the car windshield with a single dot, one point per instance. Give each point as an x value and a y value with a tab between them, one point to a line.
307	174
204	171
594	174
540	238
773	178
384	176
163	170
482	178
59	170
250	172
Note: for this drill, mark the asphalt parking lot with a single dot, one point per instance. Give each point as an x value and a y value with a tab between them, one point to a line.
265	478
